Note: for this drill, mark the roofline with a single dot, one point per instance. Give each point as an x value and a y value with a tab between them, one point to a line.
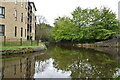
33	5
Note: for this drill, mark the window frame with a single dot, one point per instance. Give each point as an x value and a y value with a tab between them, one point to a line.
15	31
21	32
3	30
3	12
22	17
15	1
25	32
22	5
15	15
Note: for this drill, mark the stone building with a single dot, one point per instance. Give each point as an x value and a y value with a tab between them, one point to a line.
14	19
31	25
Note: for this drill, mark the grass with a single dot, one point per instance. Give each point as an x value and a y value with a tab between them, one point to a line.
18	43
15	45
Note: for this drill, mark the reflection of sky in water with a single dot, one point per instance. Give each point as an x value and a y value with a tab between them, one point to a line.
117	72
45	69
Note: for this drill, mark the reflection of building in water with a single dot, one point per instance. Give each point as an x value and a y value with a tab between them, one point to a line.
23	68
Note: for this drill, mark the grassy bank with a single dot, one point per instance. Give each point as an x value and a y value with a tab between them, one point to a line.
15	45
19	43
25	48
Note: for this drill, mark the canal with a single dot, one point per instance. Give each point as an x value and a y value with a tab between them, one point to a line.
62	62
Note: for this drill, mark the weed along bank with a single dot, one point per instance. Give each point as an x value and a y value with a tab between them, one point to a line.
35	47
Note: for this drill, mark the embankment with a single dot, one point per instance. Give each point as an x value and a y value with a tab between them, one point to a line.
108	43
23	50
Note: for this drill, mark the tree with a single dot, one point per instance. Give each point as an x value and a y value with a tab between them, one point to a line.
64	29
42	30
41	19
86	25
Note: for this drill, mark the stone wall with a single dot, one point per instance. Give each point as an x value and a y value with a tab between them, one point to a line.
10	21
109	43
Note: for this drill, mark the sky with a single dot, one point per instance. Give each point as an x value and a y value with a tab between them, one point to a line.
51	9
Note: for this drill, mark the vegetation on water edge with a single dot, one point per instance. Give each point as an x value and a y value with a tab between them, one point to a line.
15	45
12	47
19	43
86	26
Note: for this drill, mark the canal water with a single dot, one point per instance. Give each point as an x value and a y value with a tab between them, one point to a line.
61	62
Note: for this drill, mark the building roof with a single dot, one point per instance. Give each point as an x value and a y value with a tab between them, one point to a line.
33	5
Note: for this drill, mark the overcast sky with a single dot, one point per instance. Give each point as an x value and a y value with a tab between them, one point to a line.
51	9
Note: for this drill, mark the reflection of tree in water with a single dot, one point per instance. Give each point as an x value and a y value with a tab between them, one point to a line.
42	63
40	66
84	63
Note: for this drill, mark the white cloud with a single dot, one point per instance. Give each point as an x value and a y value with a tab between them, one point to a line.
51	9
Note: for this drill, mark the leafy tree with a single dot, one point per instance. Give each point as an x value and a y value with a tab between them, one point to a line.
64	29
43	32
86	25
43	29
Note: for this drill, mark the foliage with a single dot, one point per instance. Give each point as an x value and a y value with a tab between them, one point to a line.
43	32
86	25
18	43
64	29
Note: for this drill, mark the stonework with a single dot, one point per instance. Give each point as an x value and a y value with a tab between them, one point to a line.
16	20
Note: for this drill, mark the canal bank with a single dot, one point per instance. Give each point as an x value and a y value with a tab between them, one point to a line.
107	43
22	49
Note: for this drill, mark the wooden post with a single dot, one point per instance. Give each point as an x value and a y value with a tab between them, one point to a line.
20	41
37	42
4	40
31	42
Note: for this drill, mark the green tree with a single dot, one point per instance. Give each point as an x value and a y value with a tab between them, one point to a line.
64	29
43	32
86	25
43	29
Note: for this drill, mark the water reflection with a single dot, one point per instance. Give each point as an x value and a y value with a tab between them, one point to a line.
46	69
21	68
84	63
59	62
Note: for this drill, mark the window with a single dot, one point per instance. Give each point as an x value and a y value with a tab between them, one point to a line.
21	17
15	31
15	14
15	1
2	30
25	32
26	6
2	12
22	3
30	28
21	32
